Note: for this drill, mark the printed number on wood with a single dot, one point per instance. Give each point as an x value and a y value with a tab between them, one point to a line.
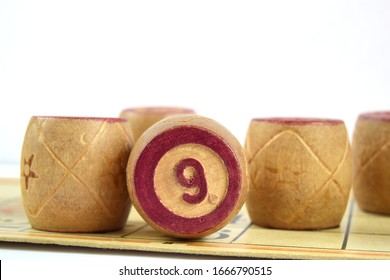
188	179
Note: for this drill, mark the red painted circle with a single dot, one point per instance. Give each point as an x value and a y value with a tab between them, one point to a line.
144	180
379	116
158	110
300	121
100	119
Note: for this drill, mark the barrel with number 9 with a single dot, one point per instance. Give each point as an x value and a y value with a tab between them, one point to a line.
187	176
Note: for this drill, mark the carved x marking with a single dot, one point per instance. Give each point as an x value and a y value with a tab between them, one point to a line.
317	158
70	170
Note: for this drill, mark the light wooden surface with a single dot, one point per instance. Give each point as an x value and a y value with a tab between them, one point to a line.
141	118
73	173
371	162
361	235
300	172
187	176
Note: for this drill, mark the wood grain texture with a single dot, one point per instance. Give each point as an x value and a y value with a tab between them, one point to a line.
73	173
141	118
187	176
371	162
300	172
361	235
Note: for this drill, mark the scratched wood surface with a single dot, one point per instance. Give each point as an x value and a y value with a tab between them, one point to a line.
360	235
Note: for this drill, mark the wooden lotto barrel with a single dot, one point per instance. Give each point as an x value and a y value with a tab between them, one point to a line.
141	118
187	176
300	172
371	162
73	173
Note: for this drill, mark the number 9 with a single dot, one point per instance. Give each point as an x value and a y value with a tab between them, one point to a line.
187	176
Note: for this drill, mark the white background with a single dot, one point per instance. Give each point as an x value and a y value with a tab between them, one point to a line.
228	60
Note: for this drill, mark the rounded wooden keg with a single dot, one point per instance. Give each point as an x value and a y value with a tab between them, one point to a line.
300	172
141	118
371	162
187	176
73	173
